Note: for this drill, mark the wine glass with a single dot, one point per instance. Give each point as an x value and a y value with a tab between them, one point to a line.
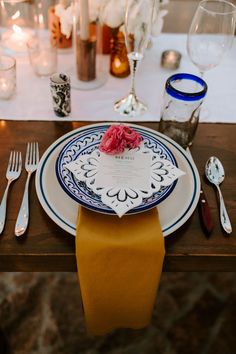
138	22
211	33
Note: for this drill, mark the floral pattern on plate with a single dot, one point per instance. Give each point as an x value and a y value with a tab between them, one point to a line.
124	198
88	142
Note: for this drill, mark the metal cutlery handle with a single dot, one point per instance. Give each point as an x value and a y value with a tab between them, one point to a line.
3	208
224	217
23	215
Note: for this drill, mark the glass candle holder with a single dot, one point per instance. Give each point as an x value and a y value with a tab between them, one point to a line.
60	21
119	62
7	77
90	69
170	59
16	19
42	56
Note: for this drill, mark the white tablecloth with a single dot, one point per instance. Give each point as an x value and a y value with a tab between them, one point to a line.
33	100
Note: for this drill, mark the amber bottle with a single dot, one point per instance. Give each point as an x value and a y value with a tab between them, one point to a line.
119	63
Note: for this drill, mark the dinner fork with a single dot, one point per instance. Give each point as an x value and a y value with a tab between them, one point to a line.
31	164
13	172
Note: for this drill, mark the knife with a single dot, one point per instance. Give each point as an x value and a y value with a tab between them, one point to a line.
204	210
205	214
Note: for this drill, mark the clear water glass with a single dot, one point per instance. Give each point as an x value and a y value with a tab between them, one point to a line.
211	33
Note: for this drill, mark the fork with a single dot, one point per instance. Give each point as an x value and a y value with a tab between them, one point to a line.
31	163
13	172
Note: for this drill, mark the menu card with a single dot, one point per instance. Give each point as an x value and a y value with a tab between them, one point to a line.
124	180
127	170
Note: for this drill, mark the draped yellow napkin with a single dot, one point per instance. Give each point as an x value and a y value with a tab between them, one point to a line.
119	266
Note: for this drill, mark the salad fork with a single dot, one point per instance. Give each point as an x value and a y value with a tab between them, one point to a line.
31	164
12	173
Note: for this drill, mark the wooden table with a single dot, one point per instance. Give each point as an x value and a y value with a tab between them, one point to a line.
46	247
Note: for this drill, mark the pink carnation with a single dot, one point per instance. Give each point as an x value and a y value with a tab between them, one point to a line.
119	137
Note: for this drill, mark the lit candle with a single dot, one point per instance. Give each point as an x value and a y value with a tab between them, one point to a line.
84	20
170	59
6	88
16	38
45	63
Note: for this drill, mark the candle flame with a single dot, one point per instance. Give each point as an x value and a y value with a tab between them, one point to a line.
2	5
2	123
17	29
16	15
40	19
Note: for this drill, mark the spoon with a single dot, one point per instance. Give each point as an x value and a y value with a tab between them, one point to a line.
215	174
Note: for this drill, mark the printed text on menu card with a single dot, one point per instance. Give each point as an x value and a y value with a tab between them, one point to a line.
127	170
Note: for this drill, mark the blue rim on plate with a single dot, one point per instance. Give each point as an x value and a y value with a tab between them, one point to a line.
52	205
85	143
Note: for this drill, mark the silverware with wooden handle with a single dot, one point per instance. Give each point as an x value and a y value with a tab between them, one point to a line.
204	210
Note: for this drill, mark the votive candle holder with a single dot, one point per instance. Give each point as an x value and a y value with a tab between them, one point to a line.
7	77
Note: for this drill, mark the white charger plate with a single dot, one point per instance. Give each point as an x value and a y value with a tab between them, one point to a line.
174	211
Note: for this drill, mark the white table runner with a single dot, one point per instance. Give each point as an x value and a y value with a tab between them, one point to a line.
33	99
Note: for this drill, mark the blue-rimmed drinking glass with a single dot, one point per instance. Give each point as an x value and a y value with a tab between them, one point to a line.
183	97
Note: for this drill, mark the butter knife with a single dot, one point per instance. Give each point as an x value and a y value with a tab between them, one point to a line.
204	210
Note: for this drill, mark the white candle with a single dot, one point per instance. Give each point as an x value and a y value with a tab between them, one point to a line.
84	20
6	88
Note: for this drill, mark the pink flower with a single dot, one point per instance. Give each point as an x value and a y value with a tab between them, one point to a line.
119	137
133	138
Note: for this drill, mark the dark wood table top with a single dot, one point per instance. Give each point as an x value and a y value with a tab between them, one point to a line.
46	247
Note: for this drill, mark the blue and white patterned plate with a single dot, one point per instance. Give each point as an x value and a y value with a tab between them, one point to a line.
85	143
63	210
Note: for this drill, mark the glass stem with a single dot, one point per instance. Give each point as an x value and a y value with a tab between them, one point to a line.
133	68
201	74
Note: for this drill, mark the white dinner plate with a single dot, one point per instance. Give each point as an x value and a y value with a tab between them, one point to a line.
174	211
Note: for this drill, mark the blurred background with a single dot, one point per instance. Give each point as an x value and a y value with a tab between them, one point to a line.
195	313
41	313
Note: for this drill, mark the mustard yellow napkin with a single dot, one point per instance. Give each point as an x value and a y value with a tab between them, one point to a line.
119	266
